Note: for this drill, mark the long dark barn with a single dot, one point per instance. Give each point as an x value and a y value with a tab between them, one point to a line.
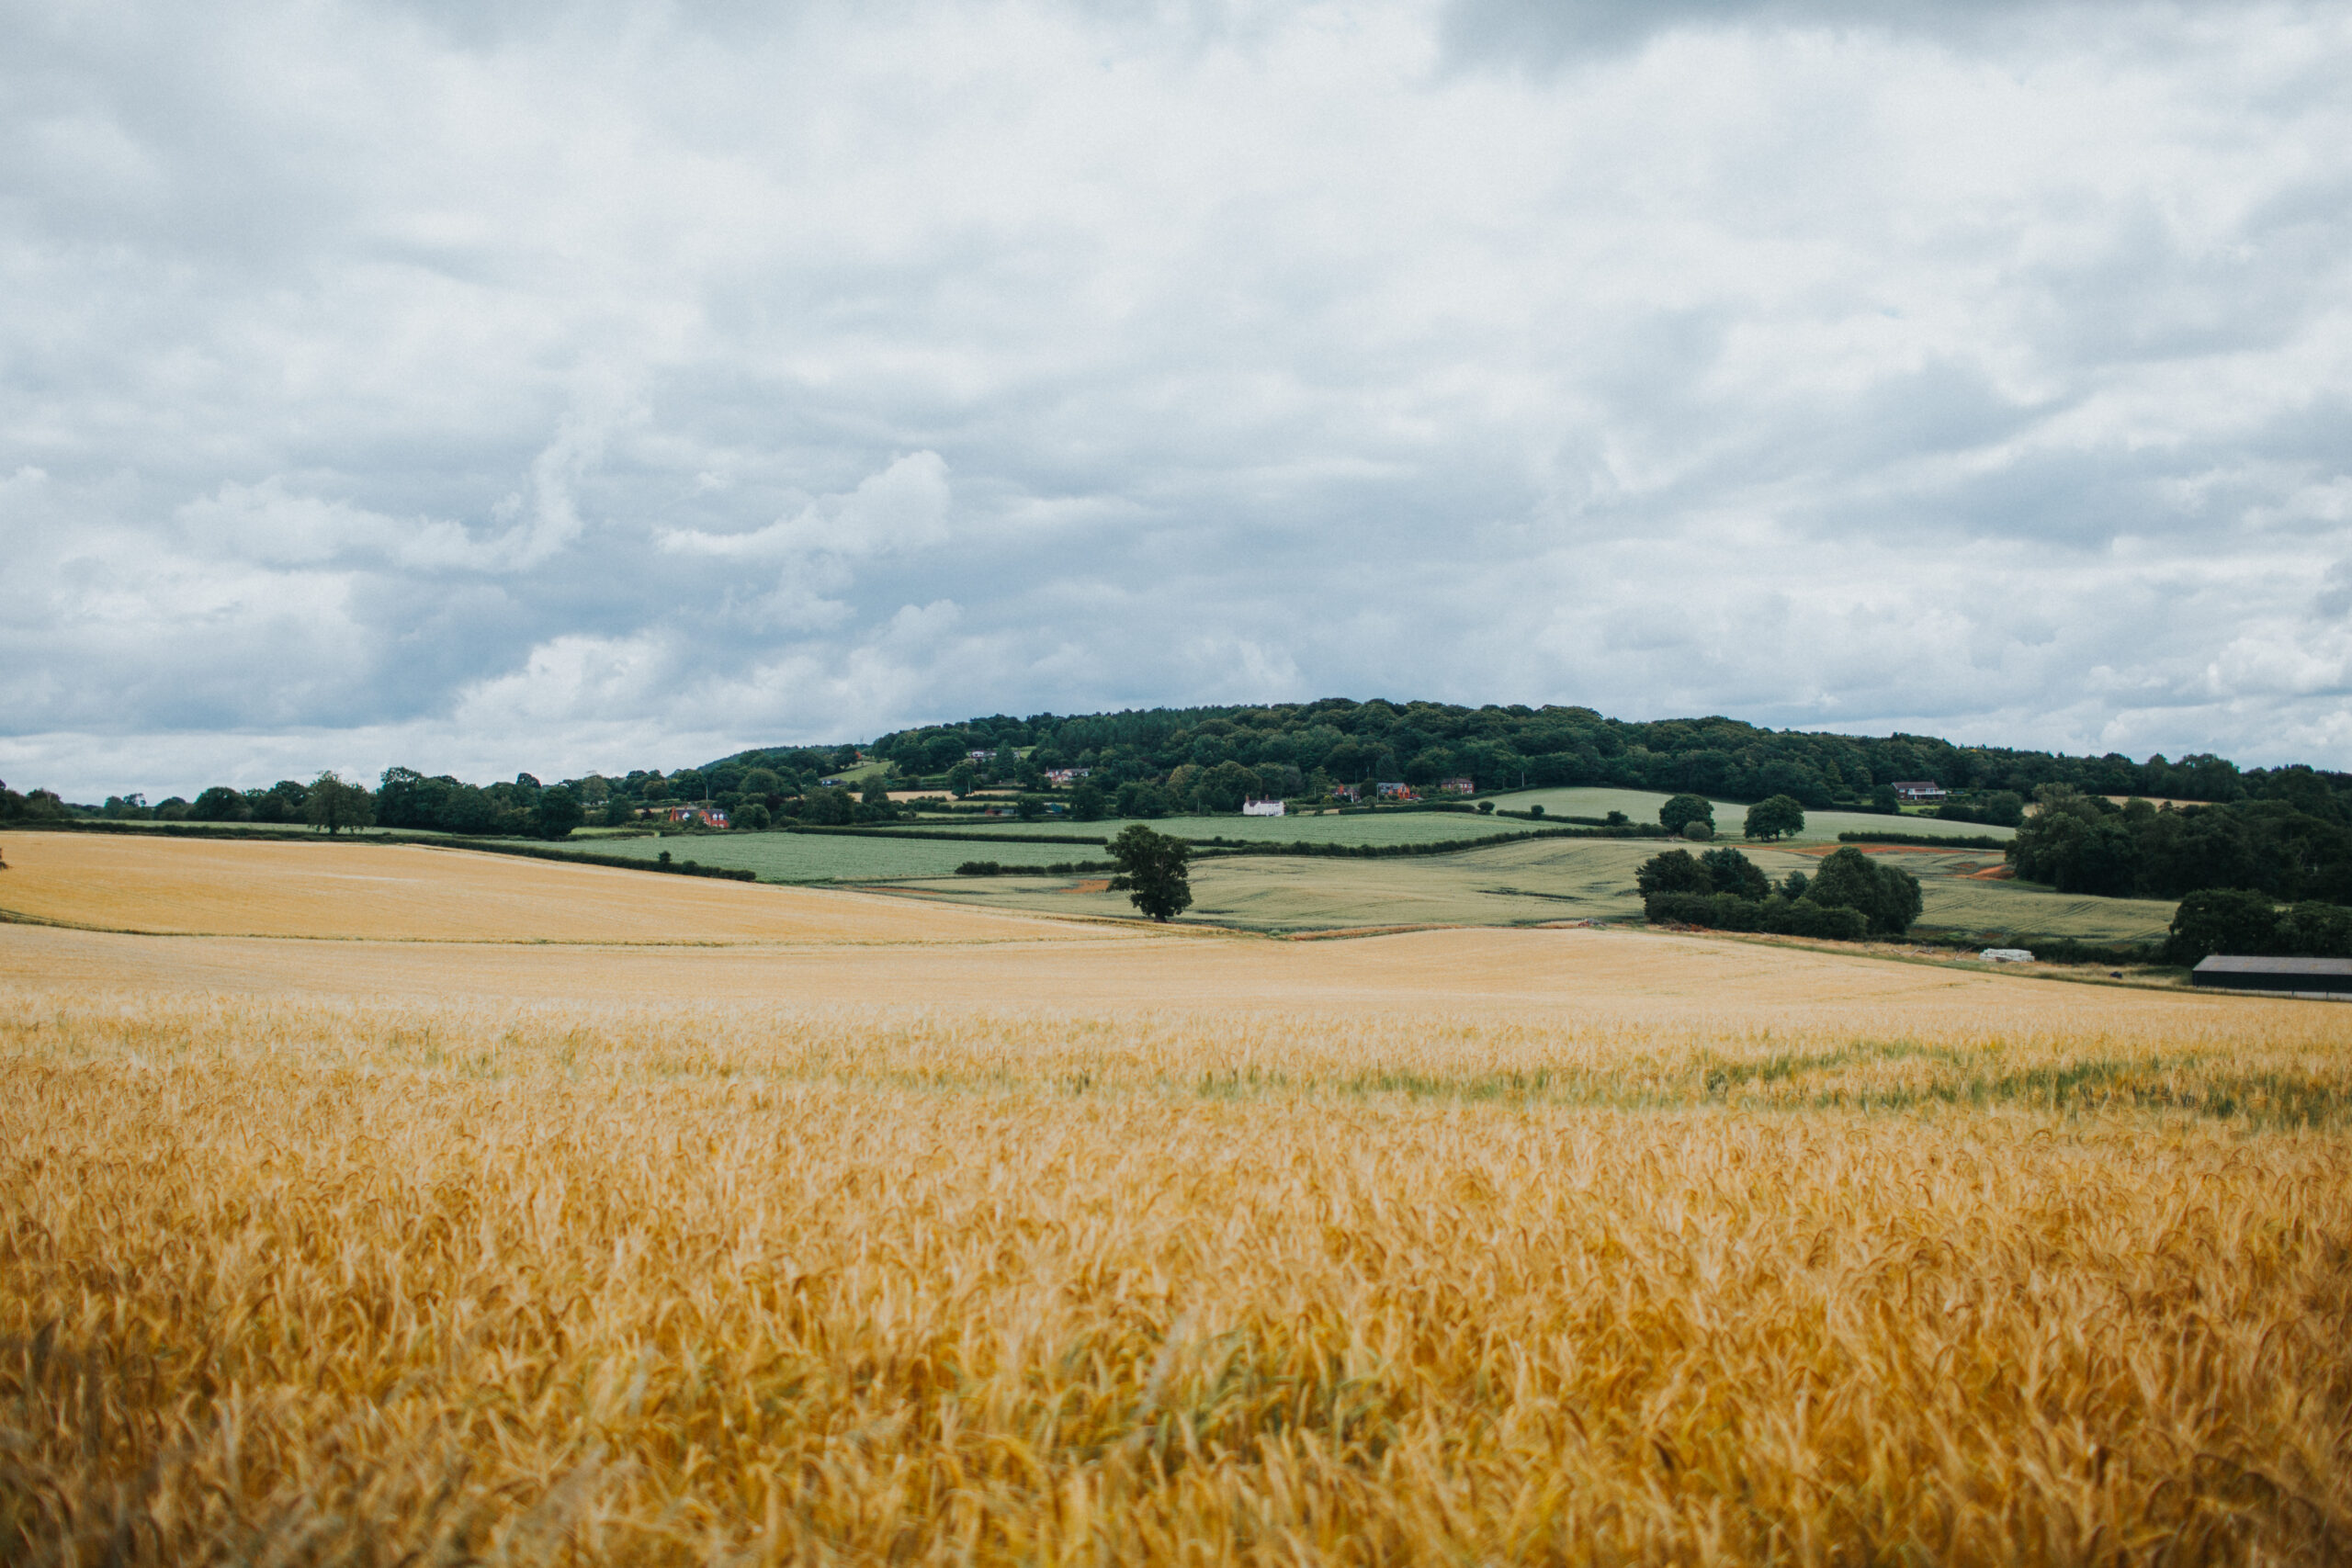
2296	976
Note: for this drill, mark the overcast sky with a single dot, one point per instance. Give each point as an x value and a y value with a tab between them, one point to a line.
492	386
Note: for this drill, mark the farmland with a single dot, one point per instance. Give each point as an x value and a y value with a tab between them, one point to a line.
1642	806
886	1229
842	857
1380	827
1543	880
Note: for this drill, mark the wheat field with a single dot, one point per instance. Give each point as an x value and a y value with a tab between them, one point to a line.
1460	1246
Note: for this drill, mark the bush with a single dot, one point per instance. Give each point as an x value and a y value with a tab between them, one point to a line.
2001	808
2238	922
1676	871
1724	911
1699	832
1888	898
2221	919
1683	809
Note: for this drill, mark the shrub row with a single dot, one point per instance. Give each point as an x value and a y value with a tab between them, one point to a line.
2246	924
1060	868
952	837
1954	841
1729	912
619	862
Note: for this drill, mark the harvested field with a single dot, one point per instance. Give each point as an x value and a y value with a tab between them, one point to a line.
388	891
1107	1246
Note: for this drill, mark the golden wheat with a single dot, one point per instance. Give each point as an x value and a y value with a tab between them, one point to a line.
349	1280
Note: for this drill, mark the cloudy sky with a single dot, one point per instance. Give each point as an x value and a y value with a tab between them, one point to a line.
491	386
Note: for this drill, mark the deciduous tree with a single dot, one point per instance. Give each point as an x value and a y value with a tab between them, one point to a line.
1152	871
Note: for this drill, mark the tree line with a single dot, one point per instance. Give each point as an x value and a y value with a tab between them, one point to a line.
2293	843
1304	748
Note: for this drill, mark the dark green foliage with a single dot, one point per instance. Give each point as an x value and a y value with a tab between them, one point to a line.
2084	844
1086	802
556	813
1724	911
332	804
827	807
1152	871
1685	809
220	803
1956	841
1508	747
1852	897
1728	870
1676	871
1996	809
1888	898
1771	818
2240	922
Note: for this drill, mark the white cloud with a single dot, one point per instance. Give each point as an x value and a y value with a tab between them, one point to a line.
444	379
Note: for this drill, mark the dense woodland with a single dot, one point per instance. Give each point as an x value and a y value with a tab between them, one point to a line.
1339	742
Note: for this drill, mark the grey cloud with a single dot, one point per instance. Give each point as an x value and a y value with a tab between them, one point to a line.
491	388
1546	33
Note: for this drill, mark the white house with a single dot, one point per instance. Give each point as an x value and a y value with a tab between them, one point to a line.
1261	808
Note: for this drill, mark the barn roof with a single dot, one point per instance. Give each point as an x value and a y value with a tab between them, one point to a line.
2307	975
2219	963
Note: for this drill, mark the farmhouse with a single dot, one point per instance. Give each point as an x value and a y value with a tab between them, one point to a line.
2295	977
1394	790
709	815
1918	789
1062	778
1261	808
1457	786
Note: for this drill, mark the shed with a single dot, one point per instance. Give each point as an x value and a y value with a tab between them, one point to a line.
2293	977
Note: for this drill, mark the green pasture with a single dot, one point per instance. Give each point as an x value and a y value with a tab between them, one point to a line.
1337	827
1642	806
827	857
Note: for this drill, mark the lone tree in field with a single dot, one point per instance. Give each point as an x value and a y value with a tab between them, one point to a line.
1684	809
333	804
1151	871
1772	817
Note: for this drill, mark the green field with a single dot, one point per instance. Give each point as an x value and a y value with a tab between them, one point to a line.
1642	806
836	857
1348	828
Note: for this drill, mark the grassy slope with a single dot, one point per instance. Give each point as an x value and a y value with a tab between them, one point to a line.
1352	828
824	857
1642	806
